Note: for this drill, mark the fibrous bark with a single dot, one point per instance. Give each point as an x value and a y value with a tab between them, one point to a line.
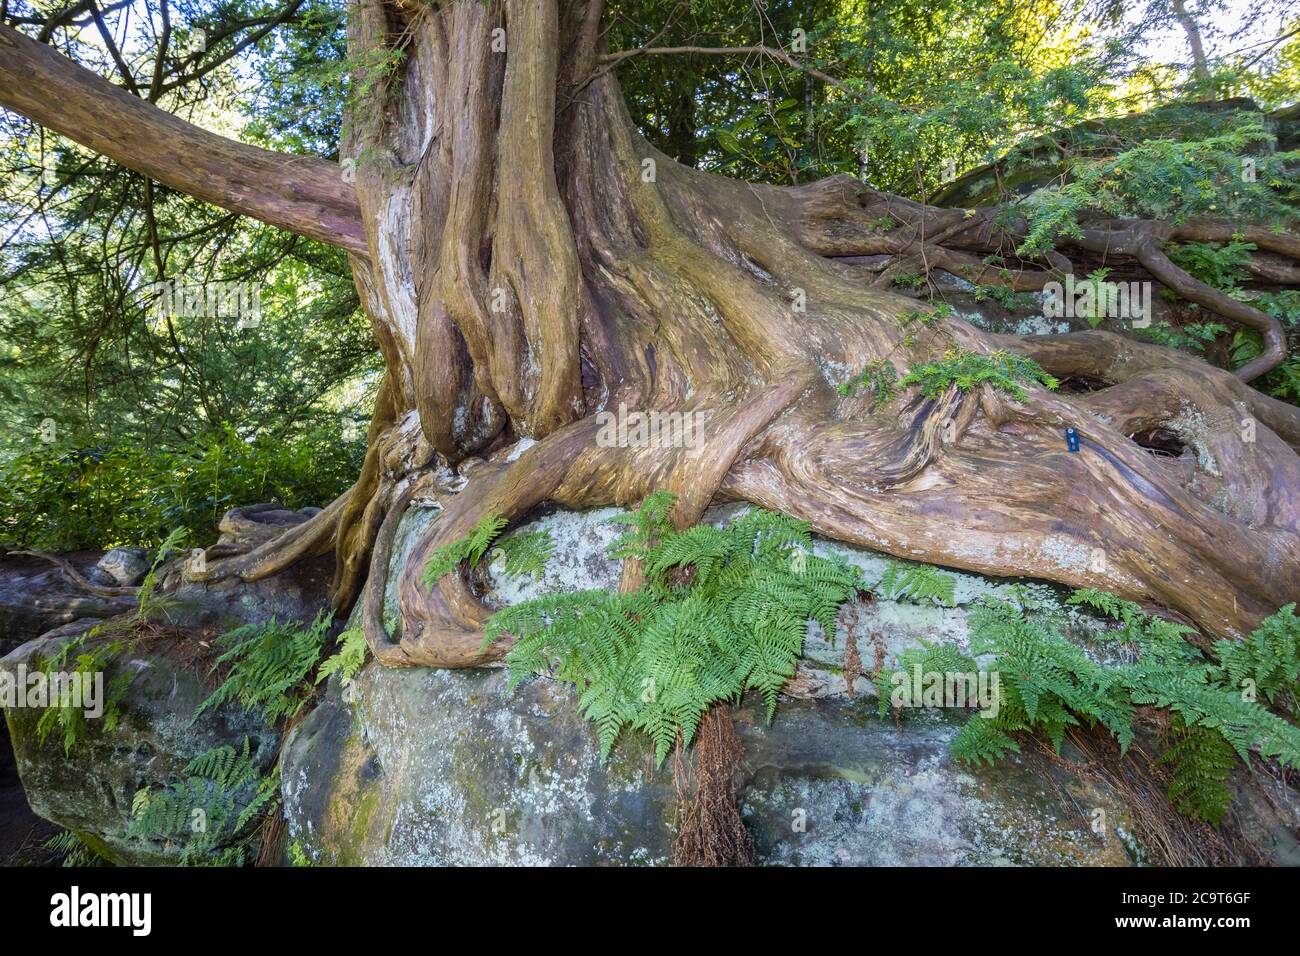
529	261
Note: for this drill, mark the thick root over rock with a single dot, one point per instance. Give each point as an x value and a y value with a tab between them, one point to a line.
606	277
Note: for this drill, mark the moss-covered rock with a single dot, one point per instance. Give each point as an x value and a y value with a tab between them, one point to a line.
447	767
89	789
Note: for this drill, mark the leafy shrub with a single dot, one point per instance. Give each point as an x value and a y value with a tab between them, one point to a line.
61	498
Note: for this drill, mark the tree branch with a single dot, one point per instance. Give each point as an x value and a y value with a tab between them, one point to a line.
615	58
303	194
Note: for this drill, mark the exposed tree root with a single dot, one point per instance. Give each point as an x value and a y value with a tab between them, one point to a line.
78	579
532	262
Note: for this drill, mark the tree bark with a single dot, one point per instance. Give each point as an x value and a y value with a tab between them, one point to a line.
302	194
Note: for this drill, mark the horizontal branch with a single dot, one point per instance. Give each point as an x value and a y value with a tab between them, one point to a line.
303	194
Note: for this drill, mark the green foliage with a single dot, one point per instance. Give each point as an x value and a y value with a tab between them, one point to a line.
1174	179
982	741
1201	764
1221	265
918	583
1110	605
1004	371
58	498
1193	337
78	342
82	658
926	317
298	856
525	553
878	377
1098	291
1008	298
1049	684
269	667
348	660
1267	662
929	658
76	852
470	548
222	794
79	660
721	611
645	526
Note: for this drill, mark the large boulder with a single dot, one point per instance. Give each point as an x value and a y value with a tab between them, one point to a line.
89	789
298	593
448	767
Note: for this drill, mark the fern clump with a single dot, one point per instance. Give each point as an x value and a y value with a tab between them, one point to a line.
76	852
270	666
78	662
525	553
348	660
721	611
211	811
1049	684
1201	764
1267	662
1001	370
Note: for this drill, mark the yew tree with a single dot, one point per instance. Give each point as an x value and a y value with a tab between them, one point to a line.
527	260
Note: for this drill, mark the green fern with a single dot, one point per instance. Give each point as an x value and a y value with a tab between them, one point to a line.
1268	661
1202	763
1049	684
980	741
80	660
76	852
525	553
645	526
917	583
470	548
210	812
347	662
1108	604
270	666
721	611
928	658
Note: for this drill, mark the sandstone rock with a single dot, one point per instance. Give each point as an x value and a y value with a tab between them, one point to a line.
446	767
89	790
35	597
124	567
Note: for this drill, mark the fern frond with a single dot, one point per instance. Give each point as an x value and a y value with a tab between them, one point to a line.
917	583
470	548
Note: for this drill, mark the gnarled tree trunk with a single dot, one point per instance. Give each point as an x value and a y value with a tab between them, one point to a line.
529	260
